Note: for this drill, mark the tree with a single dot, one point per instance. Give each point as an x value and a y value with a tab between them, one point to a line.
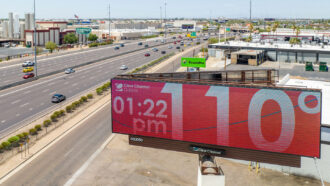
92	37
70	38
251	29
51	46
274	28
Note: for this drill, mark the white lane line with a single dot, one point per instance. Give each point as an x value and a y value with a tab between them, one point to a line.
66	154
52	83
30	109
52	93
27	92
14	102
89	161
18	115
24	105
46	90
3	121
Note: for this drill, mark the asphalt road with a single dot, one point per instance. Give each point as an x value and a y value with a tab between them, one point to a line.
13	73
57	164
20	104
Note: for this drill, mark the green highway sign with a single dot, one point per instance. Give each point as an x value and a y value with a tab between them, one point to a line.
193	62
228	29
193	34
83	30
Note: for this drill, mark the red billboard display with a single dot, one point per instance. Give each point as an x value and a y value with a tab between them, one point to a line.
258	118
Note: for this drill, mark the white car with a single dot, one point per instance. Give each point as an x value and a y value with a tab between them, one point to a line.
28	64
123	67
170	47
69	71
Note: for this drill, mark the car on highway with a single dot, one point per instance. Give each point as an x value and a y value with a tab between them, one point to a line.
174	37
123	67
28	69
28	64
116	48
57	98
146	46
181	44
170	47
147	54
155	49
177	47
69	71
122	45
28	75
174	42
163	52
140	43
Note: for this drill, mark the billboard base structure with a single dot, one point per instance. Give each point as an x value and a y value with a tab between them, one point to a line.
217	151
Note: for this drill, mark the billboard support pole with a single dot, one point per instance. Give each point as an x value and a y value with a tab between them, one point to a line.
318	171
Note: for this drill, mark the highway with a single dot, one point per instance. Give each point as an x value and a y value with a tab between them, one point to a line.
57	164
71	152
20	104
13	73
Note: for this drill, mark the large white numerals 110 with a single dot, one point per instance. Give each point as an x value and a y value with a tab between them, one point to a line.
177	115
222	95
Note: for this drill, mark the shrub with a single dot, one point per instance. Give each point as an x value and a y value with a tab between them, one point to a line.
77	103
62	112
84	98
25	134
81	101
57	113
1	148
6	145
53	118
90	96
33	131
104	87
99	91
93	45
0	60
68	108
14	141
38	127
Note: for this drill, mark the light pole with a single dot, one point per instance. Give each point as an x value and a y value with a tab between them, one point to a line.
35	38
165	20
109	23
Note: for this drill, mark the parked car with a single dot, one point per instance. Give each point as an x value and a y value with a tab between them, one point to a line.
123	67
28	64
57	98
122	45
28	75
28	69
155	49
6	45
192	69
147	54
163	52
116	48
140	43
69	71
146	46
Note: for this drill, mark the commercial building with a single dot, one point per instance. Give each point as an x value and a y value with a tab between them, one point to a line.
275	52
45	35
62	25
11	25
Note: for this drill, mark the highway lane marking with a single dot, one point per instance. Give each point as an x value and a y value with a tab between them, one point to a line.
3	121
14	102
52	83
82	70
67	153
50	144
18	115
30	109
52	93
88	162
21	106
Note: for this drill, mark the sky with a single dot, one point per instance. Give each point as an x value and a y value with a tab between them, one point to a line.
63	9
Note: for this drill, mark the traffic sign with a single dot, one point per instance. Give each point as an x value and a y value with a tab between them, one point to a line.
193	34
193	62
83	30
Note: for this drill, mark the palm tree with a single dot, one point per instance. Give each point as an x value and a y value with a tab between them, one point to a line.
274	28
251	29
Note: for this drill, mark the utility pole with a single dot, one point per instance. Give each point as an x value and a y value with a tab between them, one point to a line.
161	17
165	21
250	11
35	39
109	23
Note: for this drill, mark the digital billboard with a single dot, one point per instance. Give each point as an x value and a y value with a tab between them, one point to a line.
187	26
256	118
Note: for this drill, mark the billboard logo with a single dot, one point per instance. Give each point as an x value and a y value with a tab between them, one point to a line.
119	87
184	61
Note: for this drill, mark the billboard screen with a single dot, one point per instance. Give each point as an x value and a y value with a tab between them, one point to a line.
193	62
257	118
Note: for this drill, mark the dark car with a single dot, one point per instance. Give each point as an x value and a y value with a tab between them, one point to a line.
28	75
57	98
116	48
147	54
177	47
140	43
146	46
163	52
122	45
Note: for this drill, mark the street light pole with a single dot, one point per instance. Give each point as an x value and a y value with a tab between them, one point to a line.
165	20
109	23
35	38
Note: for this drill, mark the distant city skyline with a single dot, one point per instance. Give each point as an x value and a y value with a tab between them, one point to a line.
61	9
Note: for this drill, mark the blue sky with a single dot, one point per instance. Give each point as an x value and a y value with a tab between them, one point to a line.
175	8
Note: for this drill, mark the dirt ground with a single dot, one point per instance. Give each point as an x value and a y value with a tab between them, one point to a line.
122	164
